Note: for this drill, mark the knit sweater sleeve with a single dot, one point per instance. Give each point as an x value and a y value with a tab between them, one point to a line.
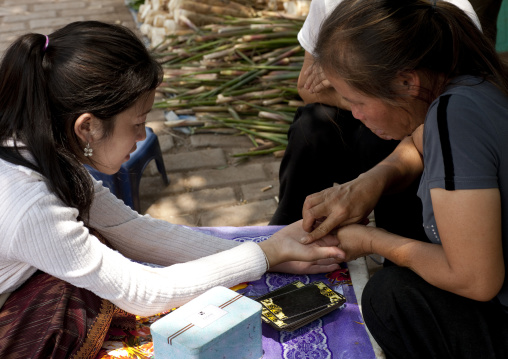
147	239
50	238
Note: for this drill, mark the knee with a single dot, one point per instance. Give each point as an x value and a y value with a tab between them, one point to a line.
315	121
386	290
315	116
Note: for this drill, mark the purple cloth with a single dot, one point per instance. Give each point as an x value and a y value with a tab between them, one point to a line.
339	334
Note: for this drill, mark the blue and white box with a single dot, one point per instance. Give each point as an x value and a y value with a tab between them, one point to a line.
220	323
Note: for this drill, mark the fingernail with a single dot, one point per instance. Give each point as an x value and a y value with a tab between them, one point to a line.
303	240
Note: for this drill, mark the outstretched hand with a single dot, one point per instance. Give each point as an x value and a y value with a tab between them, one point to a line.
320	266
285	246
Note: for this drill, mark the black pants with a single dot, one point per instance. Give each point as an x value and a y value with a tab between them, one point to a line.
410	318
328	145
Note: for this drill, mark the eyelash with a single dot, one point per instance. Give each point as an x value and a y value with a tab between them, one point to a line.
141	124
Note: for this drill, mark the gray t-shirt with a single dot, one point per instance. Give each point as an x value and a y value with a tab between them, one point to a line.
465	146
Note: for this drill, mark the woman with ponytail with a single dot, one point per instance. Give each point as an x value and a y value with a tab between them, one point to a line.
70	250
421	72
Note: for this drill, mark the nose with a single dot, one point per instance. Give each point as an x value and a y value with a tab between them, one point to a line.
141	134
357	113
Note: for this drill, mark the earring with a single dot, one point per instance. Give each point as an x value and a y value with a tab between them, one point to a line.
88	150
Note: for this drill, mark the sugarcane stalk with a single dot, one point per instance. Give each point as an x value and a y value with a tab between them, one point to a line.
252	139
273	101
265	129
273	116
267	112
264	146
280	76
273	35
251	95
259	152
238	82
259	134
260	72
211	9
233	113
242	55
231	30
244	122
239	74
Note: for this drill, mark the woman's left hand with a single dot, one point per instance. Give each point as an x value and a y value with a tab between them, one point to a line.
316	79
356	240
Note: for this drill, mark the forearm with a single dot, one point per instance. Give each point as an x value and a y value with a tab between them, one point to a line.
407	252
401	168
429	261
148	239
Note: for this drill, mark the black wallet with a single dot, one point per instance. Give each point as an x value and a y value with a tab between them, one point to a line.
296	304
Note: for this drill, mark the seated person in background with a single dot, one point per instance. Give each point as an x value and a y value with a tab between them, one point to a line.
81	96
328	145
447	298
488	11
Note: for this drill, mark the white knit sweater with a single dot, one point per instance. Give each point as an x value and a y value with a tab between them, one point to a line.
39	232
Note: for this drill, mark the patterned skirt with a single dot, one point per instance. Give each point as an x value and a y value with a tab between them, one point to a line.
49	318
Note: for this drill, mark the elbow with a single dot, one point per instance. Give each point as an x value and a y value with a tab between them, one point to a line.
486	288
483	296
305	95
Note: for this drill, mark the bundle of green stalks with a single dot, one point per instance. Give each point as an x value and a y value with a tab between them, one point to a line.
239	75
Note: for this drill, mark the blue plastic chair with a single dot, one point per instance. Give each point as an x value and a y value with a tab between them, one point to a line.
125	183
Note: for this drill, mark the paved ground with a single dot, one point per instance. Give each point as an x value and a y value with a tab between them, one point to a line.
44	16
208	187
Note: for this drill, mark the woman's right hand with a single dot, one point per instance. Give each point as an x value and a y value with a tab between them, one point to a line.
339	205
353	201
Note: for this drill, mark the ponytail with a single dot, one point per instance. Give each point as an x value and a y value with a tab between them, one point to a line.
47	82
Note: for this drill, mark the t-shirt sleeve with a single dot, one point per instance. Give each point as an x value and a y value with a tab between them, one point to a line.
307	36
460	148
320	9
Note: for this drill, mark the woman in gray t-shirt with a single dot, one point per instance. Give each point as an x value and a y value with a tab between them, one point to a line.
401	65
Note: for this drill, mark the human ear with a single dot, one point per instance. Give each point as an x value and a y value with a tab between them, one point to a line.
84	127
409	83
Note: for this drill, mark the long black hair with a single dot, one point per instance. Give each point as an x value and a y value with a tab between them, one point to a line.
86	67
368	42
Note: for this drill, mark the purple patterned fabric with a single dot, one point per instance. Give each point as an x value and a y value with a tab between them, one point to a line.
339	334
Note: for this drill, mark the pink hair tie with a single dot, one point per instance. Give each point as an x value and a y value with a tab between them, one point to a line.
46	44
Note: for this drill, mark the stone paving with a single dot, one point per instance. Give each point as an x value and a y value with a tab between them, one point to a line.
44	16
208	187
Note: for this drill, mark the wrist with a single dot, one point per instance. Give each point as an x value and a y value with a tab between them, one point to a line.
268	266
368	242
269	253
372	184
